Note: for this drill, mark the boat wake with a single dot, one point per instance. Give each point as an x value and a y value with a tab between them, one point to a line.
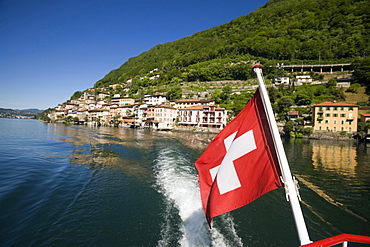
183	218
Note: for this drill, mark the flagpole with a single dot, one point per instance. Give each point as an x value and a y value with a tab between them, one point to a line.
290	186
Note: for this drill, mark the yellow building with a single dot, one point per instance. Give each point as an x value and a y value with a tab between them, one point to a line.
335	117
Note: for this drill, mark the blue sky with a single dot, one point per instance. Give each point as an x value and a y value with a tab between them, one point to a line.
51	48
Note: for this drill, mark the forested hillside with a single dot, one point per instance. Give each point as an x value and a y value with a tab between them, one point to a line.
290	31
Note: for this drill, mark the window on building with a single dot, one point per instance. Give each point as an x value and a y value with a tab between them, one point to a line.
342	115
326	121
335	121
335	115
328	108
327	115
350	108
335	108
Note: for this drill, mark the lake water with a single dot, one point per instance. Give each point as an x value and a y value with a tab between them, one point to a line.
99	186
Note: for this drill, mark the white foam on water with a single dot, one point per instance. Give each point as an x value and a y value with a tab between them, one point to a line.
177	180
228	224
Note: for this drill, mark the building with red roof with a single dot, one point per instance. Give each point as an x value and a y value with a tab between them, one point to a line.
335	117
209	116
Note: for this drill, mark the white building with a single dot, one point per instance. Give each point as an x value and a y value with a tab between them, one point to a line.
141	114
164	116
281	80
303	79
209	116
99	115
183	103
154	99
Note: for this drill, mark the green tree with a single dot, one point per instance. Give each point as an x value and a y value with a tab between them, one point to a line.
307	131
43	116
273	94
226	93
288	127
303	98
361	72
331	83
354	88
363	126
284	104
239	101
76	95
174	92
68	119
216	95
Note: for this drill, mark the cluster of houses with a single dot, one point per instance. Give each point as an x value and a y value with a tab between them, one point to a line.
154	112
158	113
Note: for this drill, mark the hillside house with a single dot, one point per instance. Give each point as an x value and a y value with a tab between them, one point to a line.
122	101
303	79
285	80
365	117
293	115
150	99
102	95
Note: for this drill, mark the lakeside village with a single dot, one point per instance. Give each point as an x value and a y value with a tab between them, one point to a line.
201	115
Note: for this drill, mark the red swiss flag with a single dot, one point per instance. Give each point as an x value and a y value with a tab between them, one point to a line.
240	164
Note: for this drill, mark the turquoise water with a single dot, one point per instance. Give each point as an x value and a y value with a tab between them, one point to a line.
82	186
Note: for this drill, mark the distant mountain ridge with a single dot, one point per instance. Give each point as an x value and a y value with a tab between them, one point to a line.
282	30
30	110
11	113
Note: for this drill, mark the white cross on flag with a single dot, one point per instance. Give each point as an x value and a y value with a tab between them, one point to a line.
240	164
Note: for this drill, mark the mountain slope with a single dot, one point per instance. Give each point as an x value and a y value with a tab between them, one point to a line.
289	30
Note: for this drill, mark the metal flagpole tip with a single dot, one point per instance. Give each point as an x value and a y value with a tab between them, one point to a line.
257	66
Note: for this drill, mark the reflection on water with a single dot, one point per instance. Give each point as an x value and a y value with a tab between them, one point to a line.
99	148
336	158
335	185
78	185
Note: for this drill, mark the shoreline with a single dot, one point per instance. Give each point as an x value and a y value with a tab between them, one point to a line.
203	130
